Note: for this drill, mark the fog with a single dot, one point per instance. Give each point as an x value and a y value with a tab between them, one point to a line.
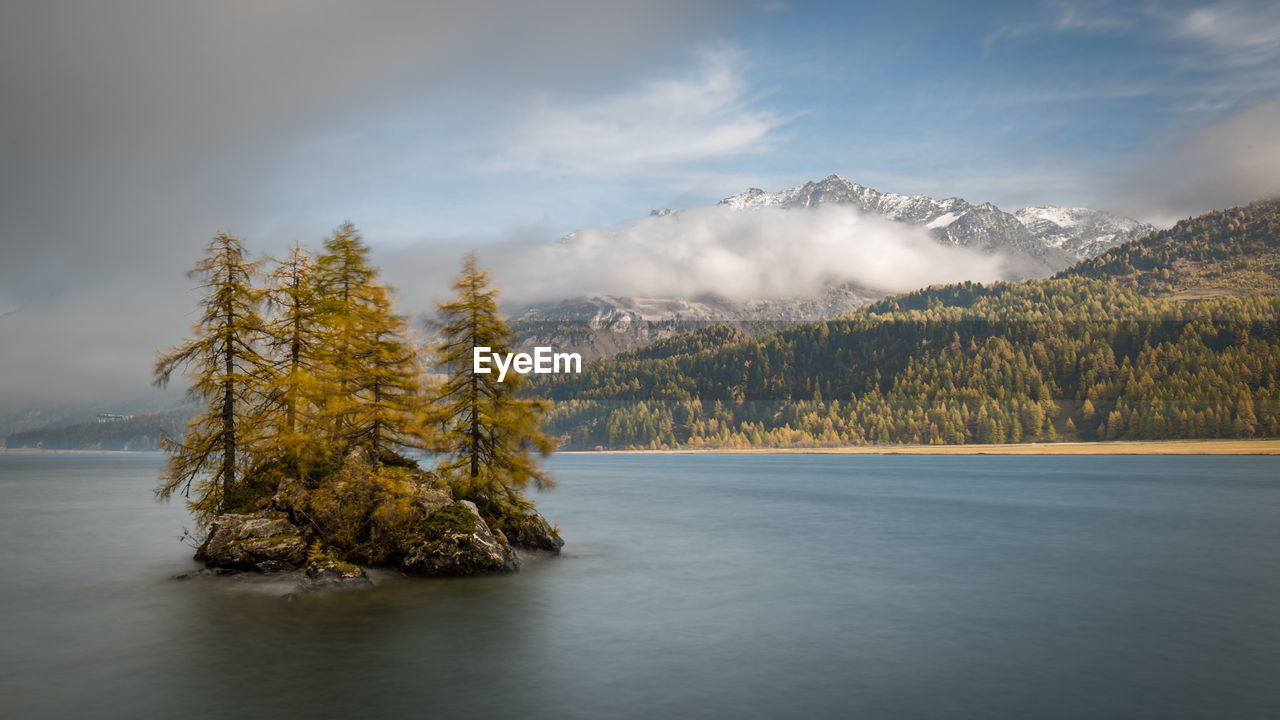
1230	162
135	130
733	254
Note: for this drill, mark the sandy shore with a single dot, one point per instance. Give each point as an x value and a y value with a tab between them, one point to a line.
1160	447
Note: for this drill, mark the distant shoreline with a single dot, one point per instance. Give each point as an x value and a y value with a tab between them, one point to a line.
54	451
1118	447
1121	447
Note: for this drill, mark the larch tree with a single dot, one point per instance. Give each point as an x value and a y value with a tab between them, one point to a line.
369	377
491	433
343	276
227	368
391	413
295	332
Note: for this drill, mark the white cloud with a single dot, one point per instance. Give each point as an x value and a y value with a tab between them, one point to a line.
1062	17
1233	34
733	254
663	125
1225	35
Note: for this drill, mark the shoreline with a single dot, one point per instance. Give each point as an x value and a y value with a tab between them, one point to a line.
1269	446
54	451
1119	447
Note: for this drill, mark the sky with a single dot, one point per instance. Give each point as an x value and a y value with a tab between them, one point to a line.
133	131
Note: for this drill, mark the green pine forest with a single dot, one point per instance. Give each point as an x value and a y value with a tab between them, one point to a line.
1173	336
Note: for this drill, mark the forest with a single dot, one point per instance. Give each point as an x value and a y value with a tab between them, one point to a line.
1232	252
1105	351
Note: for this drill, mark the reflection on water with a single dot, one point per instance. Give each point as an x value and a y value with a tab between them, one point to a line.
693	586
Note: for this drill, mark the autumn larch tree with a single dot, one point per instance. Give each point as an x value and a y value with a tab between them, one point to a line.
295	340
490	431
369	377
227	370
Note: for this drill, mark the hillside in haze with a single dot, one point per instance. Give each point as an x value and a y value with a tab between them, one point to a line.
136	432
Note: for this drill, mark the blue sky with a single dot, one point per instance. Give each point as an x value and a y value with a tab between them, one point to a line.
1015	103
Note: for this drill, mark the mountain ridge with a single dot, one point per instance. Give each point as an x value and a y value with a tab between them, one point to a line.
1036	242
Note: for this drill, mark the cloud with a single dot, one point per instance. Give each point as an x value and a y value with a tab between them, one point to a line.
1233	34
717	251
661	125
1221	36
1230	162
1065	17
134	130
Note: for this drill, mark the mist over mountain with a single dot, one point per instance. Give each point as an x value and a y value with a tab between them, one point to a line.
761	260
1033	242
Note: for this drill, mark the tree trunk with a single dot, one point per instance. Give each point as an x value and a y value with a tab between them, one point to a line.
228	409
475	388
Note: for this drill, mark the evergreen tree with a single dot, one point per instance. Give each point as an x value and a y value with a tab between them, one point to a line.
227	370
491	433
295	341
369	375
392	410
343	275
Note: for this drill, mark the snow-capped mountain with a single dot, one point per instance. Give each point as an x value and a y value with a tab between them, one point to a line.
1036	242
1082	232
1033	242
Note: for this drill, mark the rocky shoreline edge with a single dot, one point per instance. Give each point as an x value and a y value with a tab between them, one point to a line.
453	540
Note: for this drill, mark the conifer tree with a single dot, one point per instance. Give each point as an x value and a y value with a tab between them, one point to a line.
491	433
227	369
295	342
392	412
343	274
369	375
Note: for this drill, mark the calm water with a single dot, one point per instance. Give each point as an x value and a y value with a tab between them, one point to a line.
692	586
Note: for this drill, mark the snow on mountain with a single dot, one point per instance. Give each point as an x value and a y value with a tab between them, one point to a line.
1033	242
953	221
1082	232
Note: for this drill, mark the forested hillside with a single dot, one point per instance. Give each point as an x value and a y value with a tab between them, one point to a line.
1171	336
1176	335
1070	358
1231	252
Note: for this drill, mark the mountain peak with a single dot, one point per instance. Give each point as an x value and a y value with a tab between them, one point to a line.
1082	232
1055	236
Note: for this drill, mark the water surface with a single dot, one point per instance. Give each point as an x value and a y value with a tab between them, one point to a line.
712	586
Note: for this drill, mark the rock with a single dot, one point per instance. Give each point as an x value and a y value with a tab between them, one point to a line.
531	530
290	493
456	541
205	572
329	573
263	541
431	498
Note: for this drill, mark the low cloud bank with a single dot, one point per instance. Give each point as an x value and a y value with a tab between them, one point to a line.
738	255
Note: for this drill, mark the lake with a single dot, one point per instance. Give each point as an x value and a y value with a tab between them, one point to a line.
692	586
